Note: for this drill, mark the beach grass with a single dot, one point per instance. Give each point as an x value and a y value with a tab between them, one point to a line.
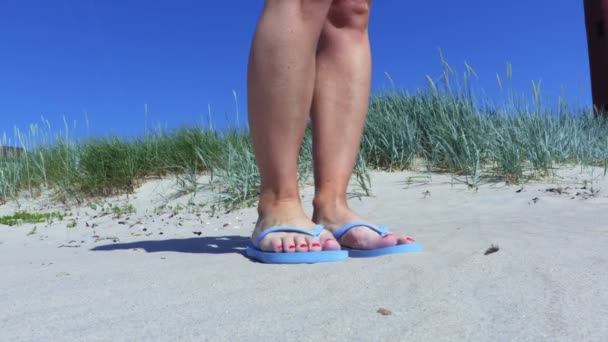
27	217
444	126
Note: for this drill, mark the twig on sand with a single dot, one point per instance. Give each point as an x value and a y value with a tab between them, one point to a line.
492	249
98	238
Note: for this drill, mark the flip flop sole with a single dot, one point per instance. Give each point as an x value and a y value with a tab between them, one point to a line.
368	253
296	257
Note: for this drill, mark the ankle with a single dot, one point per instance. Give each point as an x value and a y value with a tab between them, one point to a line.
329	204
270	203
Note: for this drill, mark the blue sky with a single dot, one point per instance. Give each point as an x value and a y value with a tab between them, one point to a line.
110	59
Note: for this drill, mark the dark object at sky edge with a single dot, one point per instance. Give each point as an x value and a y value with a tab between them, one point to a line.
596	21
7	152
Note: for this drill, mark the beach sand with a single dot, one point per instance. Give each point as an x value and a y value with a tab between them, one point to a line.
171	271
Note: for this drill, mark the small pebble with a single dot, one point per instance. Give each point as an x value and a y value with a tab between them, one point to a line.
384	312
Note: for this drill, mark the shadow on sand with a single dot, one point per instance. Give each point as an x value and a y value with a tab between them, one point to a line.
204	245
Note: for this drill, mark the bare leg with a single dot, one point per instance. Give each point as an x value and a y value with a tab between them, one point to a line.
280	87
340	104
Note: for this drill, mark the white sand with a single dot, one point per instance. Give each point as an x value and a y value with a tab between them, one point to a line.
548	281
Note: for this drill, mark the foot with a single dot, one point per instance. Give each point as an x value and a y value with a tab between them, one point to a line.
334	217
290	214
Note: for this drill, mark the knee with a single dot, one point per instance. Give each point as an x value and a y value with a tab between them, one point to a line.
314	8
352	14
306	9
315	2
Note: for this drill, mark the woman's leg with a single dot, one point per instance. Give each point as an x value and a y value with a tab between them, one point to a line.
280	87
340	105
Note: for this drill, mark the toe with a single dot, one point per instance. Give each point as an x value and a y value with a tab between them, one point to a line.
277	245
385	241
289	245
364	238
271	243
404	240
330	244
313	244
301	244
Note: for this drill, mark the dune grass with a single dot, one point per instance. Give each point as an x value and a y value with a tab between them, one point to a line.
446	128
26	217
453	136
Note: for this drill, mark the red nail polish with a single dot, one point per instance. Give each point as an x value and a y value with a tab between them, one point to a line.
410	239
316	245
387	235
292	246
303	245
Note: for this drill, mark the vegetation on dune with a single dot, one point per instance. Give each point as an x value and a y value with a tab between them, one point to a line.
453	136
26	217
446	128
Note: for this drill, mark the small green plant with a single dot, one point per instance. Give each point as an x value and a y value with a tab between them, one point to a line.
72	224
123	210
21	217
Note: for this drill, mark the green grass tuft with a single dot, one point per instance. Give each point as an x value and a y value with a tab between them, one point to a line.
21	217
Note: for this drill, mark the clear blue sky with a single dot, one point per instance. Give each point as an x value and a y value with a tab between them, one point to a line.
109	58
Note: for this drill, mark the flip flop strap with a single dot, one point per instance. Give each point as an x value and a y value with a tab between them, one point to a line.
286	229
380	230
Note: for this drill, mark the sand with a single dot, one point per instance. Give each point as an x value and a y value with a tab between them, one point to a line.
115	277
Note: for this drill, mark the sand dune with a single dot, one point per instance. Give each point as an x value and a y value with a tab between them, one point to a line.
175	273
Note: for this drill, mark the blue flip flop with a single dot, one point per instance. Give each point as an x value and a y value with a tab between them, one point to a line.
366	253
254	250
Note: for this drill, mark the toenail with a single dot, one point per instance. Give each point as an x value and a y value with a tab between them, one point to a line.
387	235
303	245
410	239
316	245
292	246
